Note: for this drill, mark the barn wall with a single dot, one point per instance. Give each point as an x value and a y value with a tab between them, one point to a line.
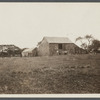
71	47
67	48
35	52
54	50
43	49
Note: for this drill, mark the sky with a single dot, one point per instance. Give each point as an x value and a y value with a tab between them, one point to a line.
25	24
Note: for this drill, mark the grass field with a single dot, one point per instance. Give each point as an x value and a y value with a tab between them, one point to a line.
55	74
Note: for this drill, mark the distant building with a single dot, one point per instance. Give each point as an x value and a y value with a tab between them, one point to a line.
29	52
57	46
9	51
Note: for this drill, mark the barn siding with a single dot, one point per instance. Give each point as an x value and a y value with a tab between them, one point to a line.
53	47
69	47
43	49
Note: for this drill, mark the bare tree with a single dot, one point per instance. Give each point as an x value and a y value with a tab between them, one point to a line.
89	38
79	39
85	45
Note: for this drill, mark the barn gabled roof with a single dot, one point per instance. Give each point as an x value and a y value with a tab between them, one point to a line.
58	40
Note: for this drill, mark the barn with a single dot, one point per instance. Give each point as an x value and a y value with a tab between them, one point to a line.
29	52
50	46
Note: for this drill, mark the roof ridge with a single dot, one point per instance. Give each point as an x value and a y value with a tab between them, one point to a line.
54	37
58	39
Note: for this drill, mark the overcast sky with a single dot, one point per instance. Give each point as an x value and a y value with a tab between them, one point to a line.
25	24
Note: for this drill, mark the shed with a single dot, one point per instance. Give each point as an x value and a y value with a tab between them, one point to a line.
30	52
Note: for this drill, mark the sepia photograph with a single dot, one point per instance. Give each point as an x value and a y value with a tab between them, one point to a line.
49	48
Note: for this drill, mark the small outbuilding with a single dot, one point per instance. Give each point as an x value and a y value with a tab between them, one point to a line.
30	52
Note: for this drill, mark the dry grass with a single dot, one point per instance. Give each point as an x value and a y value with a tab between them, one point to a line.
56	74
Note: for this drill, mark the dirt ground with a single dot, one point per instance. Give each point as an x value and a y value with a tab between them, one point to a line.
50	75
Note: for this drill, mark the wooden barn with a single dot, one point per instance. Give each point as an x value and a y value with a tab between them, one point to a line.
58	46
29	52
